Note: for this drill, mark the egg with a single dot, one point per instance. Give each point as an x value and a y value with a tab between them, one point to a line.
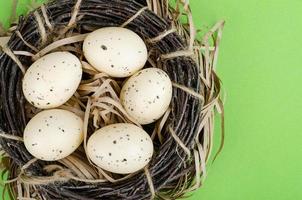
147	95
53	134
52	80
119	52
120	148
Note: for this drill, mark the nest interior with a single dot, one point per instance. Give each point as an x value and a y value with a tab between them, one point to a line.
184	143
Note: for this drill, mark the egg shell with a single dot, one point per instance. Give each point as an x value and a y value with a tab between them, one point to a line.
52	80
119	52
53	134
147	95
120	148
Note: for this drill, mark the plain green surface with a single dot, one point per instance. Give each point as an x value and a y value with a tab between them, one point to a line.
260	65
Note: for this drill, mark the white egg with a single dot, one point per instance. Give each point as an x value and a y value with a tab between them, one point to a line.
147	94
120	148
119	52
52	80
53	134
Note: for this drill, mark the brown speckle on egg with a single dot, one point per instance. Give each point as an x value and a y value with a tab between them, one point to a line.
104	47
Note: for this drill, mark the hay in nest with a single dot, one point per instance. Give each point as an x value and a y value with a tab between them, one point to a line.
183	137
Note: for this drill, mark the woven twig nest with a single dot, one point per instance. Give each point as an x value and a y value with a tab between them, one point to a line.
183	138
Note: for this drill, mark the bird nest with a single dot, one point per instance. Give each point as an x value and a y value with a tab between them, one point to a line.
183	137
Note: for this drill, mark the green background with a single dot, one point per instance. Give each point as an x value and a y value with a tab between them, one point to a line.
260	65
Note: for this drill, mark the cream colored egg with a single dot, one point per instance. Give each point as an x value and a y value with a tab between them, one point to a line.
120	148
119	52
52	80
147	95
53	134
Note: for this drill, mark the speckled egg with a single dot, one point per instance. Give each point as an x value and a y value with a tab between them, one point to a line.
120	148
53	134
147	95
119	52
52	80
